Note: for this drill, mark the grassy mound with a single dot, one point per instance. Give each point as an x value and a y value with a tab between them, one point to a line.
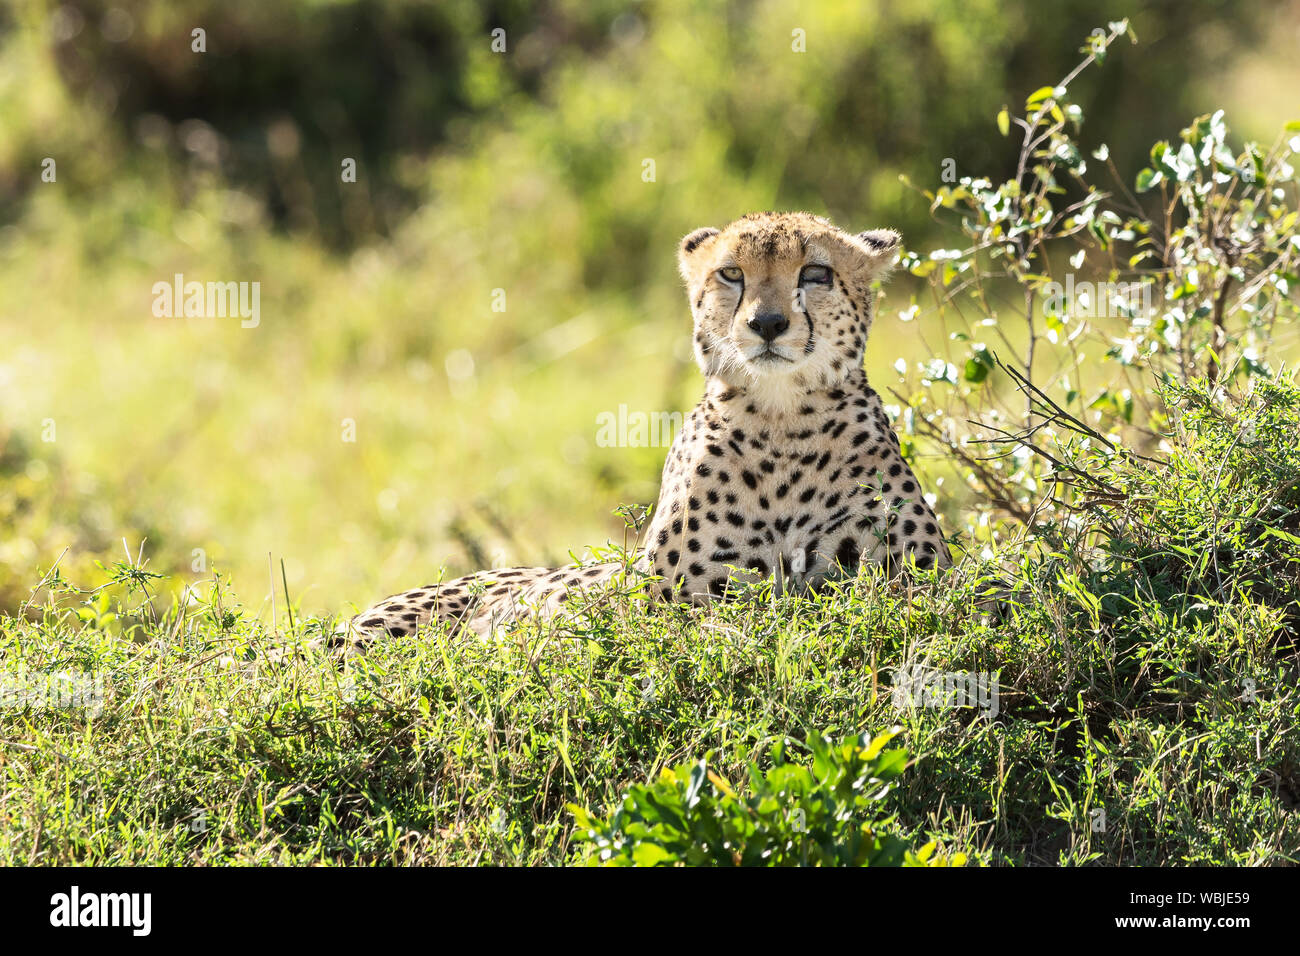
1140	706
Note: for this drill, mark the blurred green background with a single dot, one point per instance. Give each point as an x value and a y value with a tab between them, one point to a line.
483	178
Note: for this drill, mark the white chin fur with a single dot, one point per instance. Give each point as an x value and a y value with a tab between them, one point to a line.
775	391
780	386
775	386
776	357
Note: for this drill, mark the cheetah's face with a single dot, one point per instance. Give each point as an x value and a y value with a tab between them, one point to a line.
782	302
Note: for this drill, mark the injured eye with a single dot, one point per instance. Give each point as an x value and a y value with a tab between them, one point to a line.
732	274
815	275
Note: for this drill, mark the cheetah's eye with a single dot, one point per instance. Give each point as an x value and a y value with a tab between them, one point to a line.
815	275
732	274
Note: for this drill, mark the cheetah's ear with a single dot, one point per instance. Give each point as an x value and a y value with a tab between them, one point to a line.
690	242
884	240
880	247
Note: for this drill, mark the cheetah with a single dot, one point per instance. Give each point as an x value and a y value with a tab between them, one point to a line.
787	468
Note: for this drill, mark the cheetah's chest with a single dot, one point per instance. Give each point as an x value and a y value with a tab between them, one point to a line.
791	502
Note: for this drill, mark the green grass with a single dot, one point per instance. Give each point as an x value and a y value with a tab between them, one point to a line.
1147	670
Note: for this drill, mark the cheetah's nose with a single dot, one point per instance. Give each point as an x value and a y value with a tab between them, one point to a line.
769	325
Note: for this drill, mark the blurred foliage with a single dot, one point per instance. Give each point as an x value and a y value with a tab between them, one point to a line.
714	92
519	172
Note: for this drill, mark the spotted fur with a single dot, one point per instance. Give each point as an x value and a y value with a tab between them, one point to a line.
787	467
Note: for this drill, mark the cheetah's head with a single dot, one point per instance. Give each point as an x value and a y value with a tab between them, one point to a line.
782	301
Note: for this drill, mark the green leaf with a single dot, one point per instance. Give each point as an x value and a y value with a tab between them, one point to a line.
1282	535
650	854
1039	95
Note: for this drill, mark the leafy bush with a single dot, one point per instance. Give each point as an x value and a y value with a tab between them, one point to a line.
1219	520
792	815
1063	268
